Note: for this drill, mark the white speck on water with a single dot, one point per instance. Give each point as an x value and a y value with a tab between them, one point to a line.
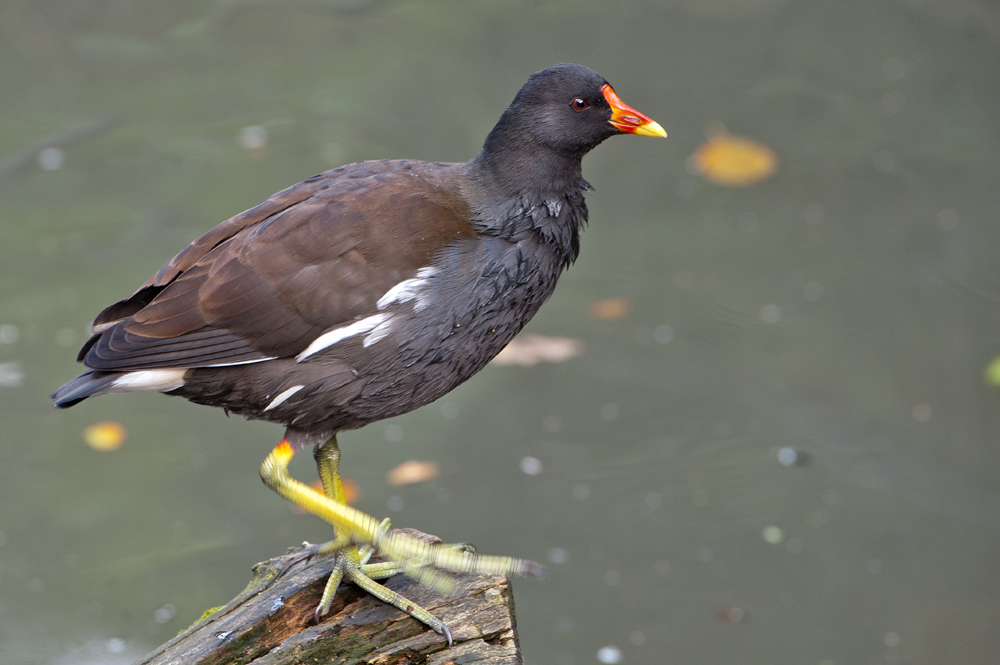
770	313
115	645
253	138
51	159
788	456
531	465
773	534
663	334
11	375
165	613
9	334
609	655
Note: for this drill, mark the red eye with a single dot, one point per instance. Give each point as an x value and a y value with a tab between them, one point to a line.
579	104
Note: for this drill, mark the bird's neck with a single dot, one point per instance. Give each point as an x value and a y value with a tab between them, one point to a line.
512	165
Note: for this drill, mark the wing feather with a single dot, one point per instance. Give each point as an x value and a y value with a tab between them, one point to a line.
269	281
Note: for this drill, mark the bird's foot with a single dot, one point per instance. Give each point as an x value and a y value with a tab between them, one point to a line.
360	535
351	564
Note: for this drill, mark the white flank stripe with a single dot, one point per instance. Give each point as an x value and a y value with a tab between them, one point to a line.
337	334
407	290
242	362
149	379
378	333
280	399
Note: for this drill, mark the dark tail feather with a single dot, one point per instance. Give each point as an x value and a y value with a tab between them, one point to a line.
84	386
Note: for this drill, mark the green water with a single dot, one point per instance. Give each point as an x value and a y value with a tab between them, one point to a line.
846	308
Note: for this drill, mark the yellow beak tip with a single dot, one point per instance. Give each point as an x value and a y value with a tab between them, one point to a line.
651	128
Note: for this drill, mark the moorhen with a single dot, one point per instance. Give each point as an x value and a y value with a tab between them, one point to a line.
363	293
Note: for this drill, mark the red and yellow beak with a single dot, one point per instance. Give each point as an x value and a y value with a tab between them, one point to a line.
626	119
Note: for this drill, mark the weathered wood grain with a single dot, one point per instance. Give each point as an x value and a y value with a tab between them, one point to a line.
271	623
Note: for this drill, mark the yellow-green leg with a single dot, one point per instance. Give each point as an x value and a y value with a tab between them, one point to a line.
420	560
351	562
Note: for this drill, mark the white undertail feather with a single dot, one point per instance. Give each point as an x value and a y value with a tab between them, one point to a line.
149	379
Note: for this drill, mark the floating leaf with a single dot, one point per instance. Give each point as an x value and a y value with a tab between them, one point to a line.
105	436
992	372
733	161
527	350
412	471
609	309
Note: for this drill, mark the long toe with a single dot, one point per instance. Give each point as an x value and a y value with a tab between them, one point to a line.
332	584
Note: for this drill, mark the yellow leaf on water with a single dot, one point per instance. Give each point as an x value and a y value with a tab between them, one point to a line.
992	372
609	309
527	350
105	436
412	471
733	161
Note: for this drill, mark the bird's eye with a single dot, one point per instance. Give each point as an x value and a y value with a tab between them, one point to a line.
579	104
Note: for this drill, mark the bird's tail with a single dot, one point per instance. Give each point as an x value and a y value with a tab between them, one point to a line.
86	385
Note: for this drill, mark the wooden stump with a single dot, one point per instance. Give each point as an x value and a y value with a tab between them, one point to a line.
271	622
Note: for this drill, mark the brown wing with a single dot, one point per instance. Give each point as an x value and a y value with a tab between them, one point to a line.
269	281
